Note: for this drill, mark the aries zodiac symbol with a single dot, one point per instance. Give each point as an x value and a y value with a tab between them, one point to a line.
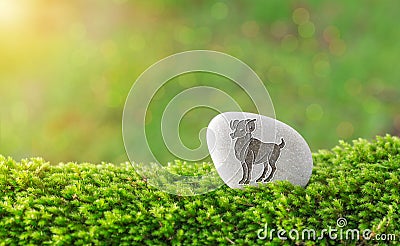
250	151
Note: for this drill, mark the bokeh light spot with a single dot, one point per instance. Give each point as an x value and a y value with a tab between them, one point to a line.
314	112
337	47
305	91
219	11
278	29
306	30
371	105
300	16
322	68
345	129
184	35
12	13
250	29
331	33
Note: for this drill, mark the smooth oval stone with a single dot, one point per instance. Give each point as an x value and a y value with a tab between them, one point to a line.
248	148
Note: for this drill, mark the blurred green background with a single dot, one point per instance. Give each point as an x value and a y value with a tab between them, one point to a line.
332	68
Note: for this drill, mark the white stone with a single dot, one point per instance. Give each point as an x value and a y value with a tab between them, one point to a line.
240	141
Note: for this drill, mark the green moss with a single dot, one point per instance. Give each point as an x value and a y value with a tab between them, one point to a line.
111	204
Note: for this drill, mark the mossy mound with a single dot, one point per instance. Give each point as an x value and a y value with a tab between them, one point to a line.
110	204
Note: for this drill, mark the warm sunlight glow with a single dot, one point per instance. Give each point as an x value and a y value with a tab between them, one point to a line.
12	13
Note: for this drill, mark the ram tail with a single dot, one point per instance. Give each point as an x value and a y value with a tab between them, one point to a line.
282	144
